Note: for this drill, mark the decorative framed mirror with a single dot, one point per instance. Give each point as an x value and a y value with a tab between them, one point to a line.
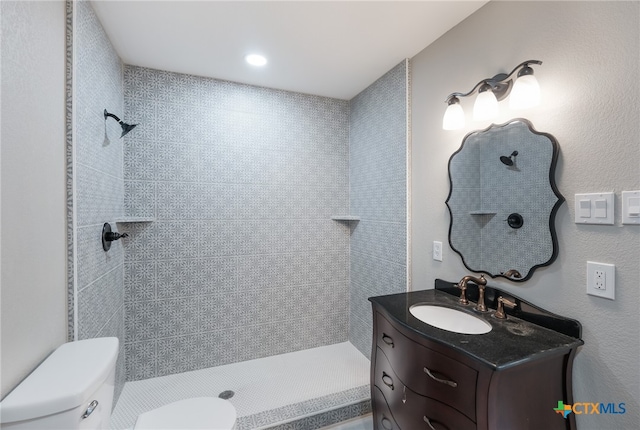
503	200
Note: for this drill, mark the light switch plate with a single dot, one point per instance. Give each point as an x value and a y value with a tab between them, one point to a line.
631	207
594	208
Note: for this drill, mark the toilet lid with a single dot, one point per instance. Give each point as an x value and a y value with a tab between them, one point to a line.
210	413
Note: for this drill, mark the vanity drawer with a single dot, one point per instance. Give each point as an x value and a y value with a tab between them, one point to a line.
381	414
428	372
410	410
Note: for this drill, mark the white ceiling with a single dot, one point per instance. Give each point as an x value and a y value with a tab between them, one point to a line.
328	48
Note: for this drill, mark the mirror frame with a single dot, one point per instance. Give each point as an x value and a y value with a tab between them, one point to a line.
552	183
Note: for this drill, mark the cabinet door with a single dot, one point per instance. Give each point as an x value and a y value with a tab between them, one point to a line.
426	371
410	410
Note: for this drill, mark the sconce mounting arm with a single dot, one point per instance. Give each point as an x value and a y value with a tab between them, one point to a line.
500	83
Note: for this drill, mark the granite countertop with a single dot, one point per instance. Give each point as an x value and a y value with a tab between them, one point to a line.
510	342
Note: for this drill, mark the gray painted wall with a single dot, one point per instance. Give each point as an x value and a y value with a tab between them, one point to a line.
242	260
590	93
378	195
99	190
33	240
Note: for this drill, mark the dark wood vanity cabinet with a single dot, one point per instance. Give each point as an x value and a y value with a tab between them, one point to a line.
421	383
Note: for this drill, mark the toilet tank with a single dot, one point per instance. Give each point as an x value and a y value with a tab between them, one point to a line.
60	392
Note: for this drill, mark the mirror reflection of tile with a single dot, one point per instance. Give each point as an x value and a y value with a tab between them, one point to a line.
486	190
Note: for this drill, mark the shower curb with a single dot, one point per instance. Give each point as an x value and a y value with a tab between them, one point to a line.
327	418
312	414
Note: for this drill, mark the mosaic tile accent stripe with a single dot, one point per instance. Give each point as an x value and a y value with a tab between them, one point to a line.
69	170
308	415
378	194
242	182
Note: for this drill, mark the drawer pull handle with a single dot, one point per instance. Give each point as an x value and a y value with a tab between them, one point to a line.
442	381
387	339
386	423
388	381
428	421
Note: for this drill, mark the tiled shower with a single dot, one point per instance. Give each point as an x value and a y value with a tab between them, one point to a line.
240	258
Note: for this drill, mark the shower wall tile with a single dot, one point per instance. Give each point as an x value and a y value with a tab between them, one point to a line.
92	261
98	302
115	326
140	198
99	188
378	194
385	201
99	196
99	148
382	240
163	240
141	359
262	271
243	260
140	278
378	276
361	333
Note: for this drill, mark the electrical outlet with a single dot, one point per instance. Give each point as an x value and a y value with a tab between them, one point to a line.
437	250
601	281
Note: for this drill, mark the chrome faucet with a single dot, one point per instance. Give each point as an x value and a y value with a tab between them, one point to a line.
481	282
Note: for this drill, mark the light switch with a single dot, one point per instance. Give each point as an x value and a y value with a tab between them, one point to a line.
601	208
585	209
631	207
595	208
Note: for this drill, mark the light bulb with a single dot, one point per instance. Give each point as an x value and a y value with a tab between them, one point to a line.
256	60
453	116
525	93
486	106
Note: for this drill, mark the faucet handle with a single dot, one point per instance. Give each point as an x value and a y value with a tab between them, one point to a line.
500	311
481	307
463	290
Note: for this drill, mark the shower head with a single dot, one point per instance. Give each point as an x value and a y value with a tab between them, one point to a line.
508	161
126	128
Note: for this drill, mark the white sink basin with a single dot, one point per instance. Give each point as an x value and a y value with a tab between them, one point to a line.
450	319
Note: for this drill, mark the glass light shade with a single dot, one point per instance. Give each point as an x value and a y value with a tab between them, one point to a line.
486	106
453	117
525	93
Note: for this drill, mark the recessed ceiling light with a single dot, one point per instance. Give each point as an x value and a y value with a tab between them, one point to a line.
256	60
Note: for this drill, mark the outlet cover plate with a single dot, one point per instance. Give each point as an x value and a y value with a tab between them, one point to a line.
601	280
437	250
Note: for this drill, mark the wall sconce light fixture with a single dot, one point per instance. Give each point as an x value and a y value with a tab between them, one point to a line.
524	93
126	128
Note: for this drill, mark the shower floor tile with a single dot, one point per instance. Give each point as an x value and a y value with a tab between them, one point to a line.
267	391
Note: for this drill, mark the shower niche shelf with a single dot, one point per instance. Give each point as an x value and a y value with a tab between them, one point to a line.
483	212
345	218
130	219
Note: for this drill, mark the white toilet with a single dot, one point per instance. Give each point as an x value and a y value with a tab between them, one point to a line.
73	390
